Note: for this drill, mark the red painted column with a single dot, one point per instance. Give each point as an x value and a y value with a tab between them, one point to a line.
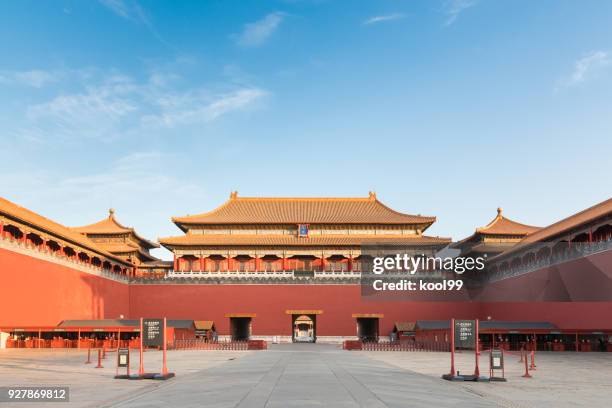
258	264
175	268
1	229
202	264
284	263
350	263
323	262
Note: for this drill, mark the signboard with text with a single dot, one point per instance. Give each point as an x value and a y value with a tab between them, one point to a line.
123	357
497	359
152	332
465	334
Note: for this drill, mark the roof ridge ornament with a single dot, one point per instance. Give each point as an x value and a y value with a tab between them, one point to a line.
372	195
233	195
499	211
111	212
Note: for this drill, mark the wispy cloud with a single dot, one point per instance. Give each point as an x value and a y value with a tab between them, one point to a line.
586	67
188	109
383	18
130	10
80	198
109	106
256	33
34	78
453	8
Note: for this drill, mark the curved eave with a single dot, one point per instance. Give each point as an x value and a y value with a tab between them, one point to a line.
425	223
325	241
53	229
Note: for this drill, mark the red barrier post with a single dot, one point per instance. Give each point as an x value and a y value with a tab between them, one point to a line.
532	367
452	372
526	375
99	359
164	367
88	355
476	353
141	367
503	365
104	351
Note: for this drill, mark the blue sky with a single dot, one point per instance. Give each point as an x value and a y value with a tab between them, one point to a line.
448	108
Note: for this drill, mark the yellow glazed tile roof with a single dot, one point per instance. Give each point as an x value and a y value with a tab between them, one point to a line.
504	226
110	225
26	216
290	240
267	210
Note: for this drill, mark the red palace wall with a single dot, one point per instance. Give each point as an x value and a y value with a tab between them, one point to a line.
588	278
34	292
270	302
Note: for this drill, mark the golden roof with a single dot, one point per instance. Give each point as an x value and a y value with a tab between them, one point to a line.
405	326
39	222
110	225
560	227
291	240
504	226
203	324
271	210
124	248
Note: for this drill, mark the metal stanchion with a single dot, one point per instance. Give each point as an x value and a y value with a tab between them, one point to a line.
526	375
99	359
88	356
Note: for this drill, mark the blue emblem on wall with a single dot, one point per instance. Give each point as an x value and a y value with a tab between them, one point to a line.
303	230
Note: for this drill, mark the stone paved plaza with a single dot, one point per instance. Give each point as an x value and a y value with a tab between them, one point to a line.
304	375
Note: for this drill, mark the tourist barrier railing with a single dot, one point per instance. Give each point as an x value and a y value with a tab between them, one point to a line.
203	344
411	346
261	275
276	267
59	342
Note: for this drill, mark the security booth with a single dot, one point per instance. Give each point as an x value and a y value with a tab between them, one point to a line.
506	335
205	329
403	332
102	333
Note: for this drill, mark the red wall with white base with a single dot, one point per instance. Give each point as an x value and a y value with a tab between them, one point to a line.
270	302
34	292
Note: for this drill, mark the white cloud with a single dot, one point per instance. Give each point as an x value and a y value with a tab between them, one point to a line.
125	184
587	66
256	33
383	18
185	109
109	106
129	10
35	78
453	8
